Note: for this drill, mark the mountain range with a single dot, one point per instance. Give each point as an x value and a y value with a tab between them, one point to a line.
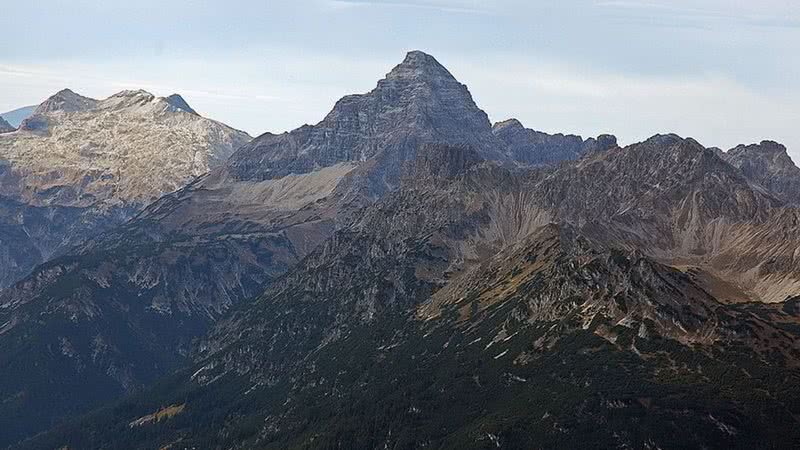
405	274
78	166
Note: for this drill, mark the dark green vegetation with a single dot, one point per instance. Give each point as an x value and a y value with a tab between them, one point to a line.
425	394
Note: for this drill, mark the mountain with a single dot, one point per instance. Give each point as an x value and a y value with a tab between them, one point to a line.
148	288
452	314
130	148
16	116
769	165
535	147
66	101
87	164
418	102
5	127
402	274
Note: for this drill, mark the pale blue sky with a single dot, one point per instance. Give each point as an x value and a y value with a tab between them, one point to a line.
722	71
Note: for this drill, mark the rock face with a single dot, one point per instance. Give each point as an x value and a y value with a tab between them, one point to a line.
82	165
768	165
535	148
419	279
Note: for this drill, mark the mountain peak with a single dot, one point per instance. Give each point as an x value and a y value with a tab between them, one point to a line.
177	101
664	139
135	94
767	152
418	102
513	124
132	93
764	148
127	99
419	65
769	165
66	100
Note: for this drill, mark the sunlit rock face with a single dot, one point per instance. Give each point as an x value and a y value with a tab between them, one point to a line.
78	166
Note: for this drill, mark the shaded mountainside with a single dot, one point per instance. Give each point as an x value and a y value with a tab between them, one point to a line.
92	164
413	326
30	235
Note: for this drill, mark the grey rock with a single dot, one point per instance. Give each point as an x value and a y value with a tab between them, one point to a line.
769	165
536	148
418	102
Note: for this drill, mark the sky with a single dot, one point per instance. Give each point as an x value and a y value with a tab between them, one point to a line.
722	71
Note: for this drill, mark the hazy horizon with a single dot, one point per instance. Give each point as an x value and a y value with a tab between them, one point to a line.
722	72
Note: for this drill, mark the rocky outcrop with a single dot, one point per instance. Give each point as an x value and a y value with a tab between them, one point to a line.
769	165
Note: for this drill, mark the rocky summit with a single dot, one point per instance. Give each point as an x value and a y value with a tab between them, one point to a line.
403	274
